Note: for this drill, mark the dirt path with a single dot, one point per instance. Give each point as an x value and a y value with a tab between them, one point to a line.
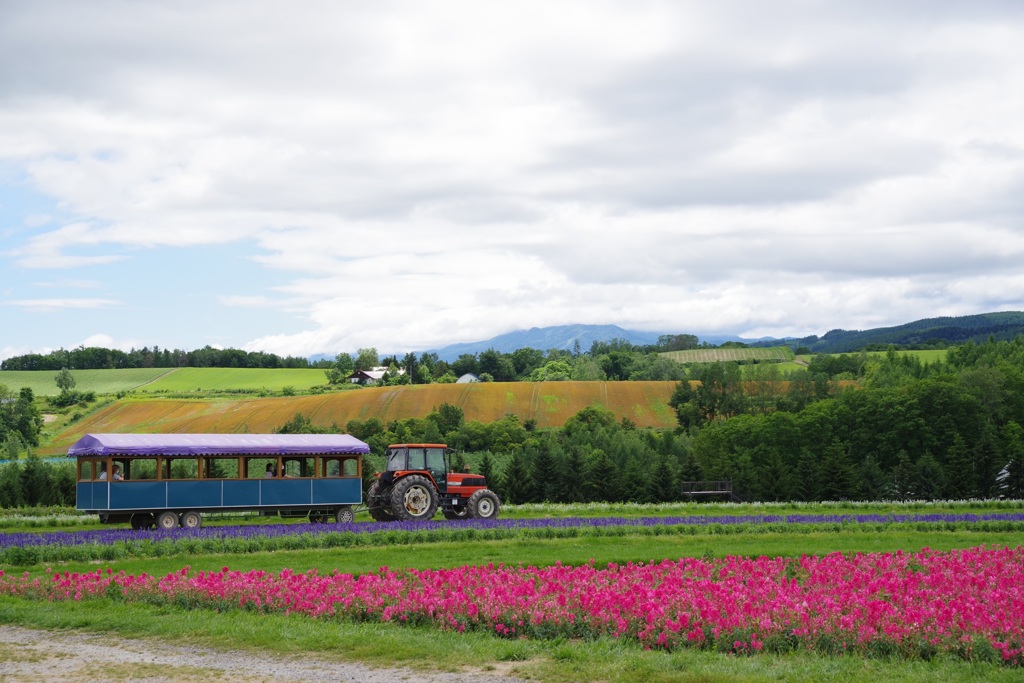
28	655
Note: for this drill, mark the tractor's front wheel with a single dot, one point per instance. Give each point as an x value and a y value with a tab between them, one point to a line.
377	505
413	498
483	504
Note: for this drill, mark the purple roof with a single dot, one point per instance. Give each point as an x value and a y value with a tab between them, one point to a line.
216	444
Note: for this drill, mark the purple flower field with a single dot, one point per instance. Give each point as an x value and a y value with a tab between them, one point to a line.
269	531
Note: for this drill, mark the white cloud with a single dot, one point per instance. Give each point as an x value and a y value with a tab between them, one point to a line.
417	174
53	304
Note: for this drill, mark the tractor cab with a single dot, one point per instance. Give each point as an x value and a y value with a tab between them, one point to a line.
428	458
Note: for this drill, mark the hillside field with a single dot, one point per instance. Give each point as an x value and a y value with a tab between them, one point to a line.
755	355
43	382
549	403
167	380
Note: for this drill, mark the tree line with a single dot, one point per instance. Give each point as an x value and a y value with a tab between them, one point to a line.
612	360
99	358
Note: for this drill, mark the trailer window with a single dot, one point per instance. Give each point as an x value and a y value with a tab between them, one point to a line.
139	468
180	468
299	467
340	467
220	468
261	468
88	470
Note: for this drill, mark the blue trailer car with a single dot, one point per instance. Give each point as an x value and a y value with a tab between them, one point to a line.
170	480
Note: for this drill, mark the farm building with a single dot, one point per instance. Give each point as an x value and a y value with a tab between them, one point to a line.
371	376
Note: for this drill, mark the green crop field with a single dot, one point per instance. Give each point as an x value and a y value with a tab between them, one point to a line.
43	382
925	356
167	380
760	355
237	379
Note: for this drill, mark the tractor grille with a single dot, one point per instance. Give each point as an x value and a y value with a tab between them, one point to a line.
474	481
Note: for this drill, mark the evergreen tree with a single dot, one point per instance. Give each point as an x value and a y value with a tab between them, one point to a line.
689	469
930	480
904	476
808	476
662	486
837	474
988	461
458	462
960	475
487	470
543	476
12	494
515	481
1012	484
602	480
572	468
874	485
36	482
635	480
776	481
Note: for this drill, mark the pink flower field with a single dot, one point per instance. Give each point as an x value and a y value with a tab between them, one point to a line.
966	602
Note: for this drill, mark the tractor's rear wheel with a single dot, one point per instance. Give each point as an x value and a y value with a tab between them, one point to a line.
377	505
413	498
483	504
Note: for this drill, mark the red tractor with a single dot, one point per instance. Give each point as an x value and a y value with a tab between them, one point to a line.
418	479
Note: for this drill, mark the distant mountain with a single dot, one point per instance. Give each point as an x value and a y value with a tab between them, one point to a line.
929	331
544	338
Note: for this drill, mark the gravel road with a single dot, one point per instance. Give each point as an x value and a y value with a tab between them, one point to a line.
28	655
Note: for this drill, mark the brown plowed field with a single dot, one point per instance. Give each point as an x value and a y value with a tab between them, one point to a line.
549	403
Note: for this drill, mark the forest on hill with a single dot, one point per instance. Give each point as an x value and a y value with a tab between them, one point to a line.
849	427
929	333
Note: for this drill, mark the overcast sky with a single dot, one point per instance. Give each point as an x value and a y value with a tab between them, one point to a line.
316	177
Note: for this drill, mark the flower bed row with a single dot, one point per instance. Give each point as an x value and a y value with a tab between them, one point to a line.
23	549
969	603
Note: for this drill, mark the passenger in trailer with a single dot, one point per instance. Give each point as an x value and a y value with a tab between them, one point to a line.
116	469
270	471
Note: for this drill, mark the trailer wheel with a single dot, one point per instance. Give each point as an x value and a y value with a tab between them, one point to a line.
483	504
413	498
168	519
191	520
377	505
345	515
